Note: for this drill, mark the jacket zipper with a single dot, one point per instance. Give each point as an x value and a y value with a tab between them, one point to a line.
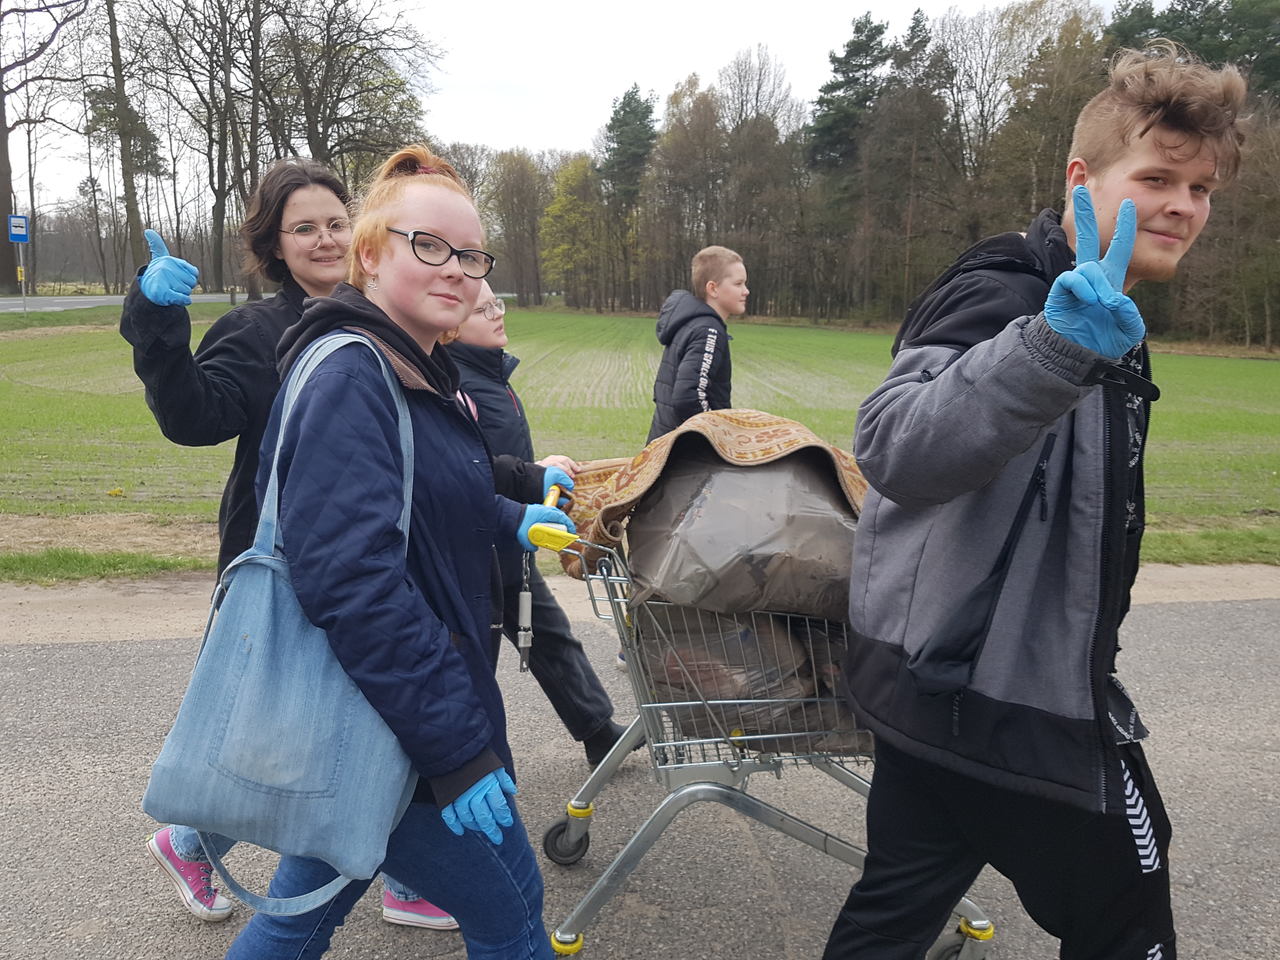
1104	575
1036	487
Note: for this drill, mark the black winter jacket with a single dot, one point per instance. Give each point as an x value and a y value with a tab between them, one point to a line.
222	392
485	375
695	373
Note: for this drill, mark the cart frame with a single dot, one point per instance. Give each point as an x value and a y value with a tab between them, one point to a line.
718	773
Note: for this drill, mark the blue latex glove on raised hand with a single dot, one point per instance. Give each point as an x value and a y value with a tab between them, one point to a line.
1087	305
167	281
482	807
540	513
554	476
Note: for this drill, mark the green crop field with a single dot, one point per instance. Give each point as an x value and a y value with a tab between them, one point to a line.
77	437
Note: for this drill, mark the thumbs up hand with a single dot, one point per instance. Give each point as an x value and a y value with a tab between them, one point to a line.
167	281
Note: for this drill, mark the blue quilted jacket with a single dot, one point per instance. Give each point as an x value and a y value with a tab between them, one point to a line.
413	632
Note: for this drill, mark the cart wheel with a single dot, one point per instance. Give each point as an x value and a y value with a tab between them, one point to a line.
560	851
566	949
948	947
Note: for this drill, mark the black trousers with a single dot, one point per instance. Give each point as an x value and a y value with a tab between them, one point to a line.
1098	882
557	660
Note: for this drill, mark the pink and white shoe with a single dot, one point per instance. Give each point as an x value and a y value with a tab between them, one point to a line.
415	913
193	878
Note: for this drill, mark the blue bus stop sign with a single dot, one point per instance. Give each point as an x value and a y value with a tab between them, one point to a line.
18	230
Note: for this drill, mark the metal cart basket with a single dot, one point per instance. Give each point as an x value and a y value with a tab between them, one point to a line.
721	698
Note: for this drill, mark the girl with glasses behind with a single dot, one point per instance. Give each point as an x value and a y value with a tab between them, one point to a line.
409	622
296	234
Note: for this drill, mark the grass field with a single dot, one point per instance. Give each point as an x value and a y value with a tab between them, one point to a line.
77	437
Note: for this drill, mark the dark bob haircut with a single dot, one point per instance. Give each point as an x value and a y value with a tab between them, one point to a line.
260	232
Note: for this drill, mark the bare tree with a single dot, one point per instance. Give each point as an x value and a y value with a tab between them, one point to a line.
984	50
28	32
125	117
754	84
520	193
340	77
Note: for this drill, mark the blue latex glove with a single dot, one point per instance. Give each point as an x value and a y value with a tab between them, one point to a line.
554	476
540	513
482	807
1087	305
167	281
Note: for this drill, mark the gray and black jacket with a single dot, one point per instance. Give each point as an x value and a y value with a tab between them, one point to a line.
999	539
695	374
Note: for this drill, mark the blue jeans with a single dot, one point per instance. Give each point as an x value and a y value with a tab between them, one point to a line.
186	844
494	892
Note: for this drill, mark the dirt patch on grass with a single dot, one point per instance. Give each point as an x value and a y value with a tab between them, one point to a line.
32	333
1203	348
107	533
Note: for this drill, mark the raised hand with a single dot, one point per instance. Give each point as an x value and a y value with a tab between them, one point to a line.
1087	305
167	281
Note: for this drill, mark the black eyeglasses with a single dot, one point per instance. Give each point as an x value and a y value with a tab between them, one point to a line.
436	251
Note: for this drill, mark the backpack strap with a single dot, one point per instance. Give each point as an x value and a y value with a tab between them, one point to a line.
1005	251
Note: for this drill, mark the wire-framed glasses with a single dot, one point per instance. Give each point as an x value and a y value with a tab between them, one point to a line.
436	251
493	309
308	236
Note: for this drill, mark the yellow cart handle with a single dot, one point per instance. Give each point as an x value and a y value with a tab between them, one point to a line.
553	536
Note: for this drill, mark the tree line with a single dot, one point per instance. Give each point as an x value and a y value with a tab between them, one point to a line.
844	208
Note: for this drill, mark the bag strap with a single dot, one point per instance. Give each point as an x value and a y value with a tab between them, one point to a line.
272	906
267	539
267	542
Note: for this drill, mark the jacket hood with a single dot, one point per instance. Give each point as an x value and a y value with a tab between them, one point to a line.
1041	252
348	307
491	361
680	308
1047	243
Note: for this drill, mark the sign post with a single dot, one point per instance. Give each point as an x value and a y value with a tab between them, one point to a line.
19	236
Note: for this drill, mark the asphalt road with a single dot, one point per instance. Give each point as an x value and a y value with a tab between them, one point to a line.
82	719
41	304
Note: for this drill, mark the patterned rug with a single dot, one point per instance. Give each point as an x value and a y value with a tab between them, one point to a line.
605	491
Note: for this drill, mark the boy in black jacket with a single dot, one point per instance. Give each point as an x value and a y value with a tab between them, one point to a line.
695	373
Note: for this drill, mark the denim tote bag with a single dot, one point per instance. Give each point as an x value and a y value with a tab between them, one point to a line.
274	744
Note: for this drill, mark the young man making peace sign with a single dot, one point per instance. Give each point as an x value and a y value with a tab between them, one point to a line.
999	541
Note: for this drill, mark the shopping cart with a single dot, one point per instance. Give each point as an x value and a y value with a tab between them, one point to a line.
706	737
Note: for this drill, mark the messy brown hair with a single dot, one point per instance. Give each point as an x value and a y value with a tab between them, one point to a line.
1164	85
710	264
260	232
416	163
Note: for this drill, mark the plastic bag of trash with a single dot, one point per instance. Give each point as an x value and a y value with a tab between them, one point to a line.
729	538
764	682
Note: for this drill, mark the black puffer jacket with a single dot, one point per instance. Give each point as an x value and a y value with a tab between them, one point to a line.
485	373
223	392
695	373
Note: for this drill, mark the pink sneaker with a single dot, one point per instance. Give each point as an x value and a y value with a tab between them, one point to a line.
415	913
192	878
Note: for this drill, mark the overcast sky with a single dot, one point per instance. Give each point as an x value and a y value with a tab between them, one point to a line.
545	76
516	73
